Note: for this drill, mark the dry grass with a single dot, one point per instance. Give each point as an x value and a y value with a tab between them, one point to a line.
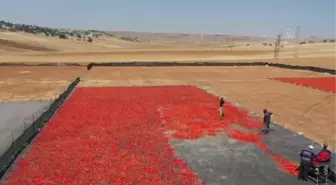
326	62
22	47
301	109
99	44
127	55
35	83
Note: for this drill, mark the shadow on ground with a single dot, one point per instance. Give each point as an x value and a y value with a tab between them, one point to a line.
221	160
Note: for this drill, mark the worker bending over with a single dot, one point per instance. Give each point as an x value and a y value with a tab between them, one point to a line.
306	156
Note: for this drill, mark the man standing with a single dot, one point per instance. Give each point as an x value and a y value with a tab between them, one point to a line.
267	120
221	107
306	156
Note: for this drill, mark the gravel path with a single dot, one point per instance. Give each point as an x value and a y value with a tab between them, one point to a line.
12	118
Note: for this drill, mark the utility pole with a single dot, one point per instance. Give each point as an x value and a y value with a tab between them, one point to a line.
297	40
277	46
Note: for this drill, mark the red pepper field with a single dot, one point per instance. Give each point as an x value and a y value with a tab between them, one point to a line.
322	83
120	135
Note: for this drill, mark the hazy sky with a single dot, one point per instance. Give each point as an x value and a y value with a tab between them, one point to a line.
241	17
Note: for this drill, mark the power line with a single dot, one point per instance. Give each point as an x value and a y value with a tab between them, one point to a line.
277	46
297	40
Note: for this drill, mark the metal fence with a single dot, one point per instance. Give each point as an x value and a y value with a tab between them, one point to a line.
22	136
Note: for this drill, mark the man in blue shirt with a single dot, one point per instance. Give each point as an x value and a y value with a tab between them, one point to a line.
306	156
267	119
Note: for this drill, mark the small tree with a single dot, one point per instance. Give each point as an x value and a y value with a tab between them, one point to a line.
62	36
79	36
332	40
52	33
89	39
325	41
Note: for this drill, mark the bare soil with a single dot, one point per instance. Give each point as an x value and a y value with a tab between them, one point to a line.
35	83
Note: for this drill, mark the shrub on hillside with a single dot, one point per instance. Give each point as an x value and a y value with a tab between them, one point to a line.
89	39
53	33
62	36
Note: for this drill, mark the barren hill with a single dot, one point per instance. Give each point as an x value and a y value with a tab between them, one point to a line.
25	43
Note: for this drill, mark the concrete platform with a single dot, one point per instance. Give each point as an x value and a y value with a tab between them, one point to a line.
289	144
221	160
12	118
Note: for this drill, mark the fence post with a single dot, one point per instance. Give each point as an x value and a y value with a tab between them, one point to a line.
25	129
13	143
33	124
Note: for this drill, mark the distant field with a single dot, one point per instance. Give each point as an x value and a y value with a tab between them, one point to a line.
22	47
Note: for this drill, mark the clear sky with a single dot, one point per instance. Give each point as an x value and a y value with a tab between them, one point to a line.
240	17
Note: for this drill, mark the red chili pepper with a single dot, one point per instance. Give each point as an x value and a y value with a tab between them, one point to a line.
121	136
324	83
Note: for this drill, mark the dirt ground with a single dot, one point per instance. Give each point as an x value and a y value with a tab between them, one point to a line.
35	83
324	62
327	61
298	108
129	55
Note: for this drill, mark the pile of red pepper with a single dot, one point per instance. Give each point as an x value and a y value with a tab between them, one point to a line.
323	83
121	136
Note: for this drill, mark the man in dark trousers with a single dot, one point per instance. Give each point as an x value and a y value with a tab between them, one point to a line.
221	107
267	119
306	157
